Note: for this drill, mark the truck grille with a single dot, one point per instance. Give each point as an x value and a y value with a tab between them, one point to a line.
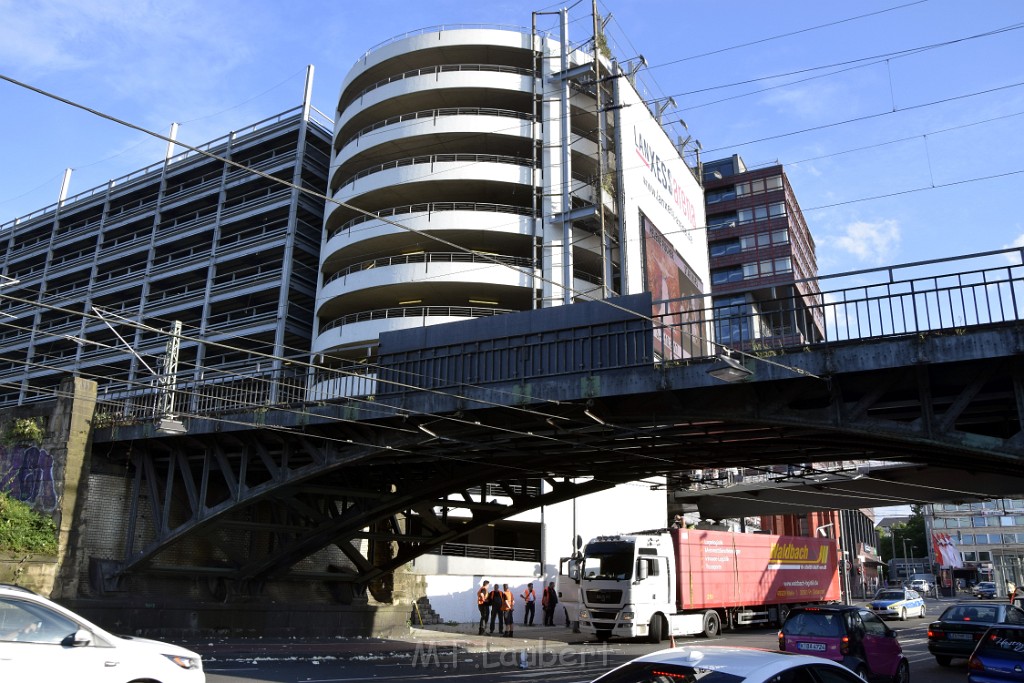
604	597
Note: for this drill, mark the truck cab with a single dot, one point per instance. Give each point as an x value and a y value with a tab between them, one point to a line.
626	586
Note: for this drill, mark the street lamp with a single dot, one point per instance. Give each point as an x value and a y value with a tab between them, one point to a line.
913	548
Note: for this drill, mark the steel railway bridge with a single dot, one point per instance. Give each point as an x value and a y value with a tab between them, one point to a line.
496	416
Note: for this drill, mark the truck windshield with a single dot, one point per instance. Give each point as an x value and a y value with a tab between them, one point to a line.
608	560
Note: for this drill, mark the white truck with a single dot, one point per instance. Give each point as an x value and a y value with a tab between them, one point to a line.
677	582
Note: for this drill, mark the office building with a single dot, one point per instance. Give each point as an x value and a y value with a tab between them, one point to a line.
980	541
762	258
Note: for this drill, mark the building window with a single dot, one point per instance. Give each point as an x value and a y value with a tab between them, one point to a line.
724	220
967	539
938	523
720	195
970	557
759	186
725	275
979	521
1008	521
726	247
984	556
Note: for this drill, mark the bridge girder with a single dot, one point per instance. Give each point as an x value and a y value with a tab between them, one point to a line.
954	400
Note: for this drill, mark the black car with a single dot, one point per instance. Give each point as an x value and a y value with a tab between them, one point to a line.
961	626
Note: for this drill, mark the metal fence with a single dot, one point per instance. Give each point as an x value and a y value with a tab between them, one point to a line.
928	296
894	301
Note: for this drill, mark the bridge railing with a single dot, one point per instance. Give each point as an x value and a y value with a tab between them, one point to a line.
926	296
488	552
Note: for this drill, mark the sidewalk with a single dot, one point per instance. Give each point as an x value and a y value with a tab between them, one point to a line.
458	638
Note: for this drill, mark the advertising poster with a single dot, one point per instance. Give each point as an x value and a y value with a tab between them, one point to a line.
676	290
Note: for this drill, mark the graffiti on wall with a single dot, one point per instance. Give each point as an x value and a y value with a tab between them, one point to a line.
26	474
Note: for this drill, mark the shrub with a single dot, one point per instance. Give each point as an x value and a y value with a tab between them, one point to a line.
24	531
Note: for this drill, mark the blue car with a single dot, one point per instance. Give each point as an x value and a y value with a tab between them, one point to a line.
998	656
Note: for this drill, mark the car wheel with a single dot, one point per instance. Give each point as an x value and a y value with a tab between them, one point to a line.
902	674
943	660
924	612
712	624
861	672
654	630
903	614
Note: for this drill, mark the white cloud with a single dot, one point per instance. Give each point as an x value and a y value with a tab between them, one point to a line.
874	243
1017	243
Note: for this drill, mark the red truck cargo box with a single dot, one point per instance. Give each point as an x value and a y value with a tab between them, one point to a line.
722	569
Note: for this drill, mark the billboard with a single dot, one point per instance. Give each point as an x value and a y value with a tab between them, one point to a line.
676	291
664	234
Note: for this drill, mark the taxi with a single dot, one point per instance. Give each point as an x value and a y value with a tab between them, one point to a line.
898	603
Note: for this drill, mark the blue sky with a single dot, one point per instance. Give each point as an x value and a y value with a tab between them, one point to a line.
939	130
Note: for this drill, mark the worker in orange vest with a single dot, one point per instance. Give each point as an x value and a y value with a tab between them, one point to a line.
508	603
483	605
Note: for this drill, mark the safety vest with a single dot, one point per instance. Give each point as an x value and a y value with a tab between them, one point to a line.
481	596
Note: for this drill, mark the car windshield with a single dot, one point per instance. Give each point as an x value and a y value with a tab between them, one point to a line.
889	595
650	672
1007	642
608	560
813	624
970	613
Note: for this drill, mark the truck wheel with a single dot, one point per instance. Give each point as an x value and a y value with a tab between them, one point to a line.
603	634
712	624
654	631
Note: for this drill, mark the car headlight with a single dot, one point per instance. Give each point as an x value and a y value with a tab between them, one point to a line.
627	616
584	614
185	662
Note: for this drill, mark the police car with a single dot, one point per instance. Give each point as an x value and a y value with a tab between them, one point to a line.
897	603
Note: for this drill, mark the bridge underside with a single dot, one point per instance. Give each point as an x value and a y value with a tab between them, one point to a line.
381	483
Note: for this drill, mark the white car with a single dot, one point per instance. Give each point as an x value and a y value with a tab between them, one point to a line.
898	603
713	664
921	586
42	642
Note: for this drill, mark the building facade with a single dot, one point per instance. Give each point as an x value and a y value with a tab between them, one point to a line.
93	285
482	171
762	257
981	541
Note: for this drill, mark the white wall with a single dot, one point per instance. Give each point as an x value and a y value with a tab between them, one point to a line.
452	582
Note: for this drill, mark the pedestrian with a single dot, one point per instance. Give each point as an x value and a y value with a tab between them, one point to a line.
495	598
530	597
548	602
482	605
508	603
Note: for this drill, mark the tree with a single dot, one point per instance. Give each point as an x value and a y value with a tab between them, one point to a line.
912	531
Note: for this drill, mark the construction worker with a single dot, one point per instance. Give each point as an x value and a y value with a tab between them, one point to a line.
508	604
483	605
530	604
